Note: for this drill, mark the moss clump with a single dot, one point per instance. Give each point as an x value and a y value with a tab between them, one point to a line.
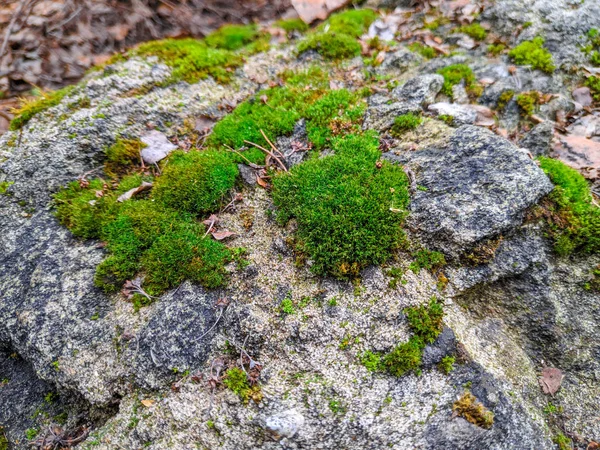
563	442
291	25
504	98
191	60
484	252
237	381
533	53
474	30
496	49
426	320
195	182
405	357
446	365
4	185
232	37
283	107
473	411
427	259
594	283
436	23
372	361
30	108
406	122
455	74
336	38
349	206
528	102
573	221
593	83
423	50
591	49
122	155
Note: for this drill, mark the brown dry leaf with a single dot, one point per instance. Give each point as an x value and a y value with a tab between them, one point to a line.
145	186
147	403
220	235
261	182
212	220
434	45
485	116
157	147
551	380
593	446
579	153
311	10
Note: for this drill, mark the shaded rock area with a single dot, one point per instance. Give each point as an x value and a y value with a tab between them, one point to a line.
123	375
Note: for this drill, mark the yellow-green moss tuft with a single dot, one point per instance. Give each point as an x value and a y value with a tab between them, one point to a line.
533	53
473	411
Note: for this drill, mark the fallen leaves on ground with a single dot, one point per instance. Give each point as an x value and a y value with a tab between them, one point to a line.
551	380
145	186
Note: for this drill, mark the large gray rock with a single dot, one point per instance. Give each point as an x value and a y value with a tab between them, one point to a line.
475	187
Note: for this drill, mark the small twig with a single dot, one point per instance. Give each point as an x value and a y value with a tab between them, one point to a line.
212	222
268	153
271	144
250	163
13	20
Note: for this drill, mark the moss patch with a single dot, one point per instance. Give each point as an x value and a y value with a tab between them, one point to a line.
406	122
232	37
593	46
122	156
496	49
593	83
291	25
533	53
594	283
504	98
455	74
423	50
30	108
573	220
237	381
474	30
349	206
473	411
528	102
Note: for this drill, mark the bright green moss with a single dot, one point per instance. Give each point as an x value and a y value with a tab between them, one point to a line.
191	60
4	185
352	22
237	381
527	102
330	45
291	25
496	49
573	220
423	50
454	74
427	259
195	182
406	122
349	208
405	357
446	365
593	83
232	37
504	98
533	53
122	155
436	23
474	30
426	320
372	361
562	441
30	108
3	440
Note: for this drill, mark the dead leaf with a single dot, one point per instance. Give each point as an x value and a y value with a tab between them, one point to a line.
203	124
434	45
311	10
220	235
579	153
157	147
485	116
147	403
583	96
261	182
551	380
212	220
145	186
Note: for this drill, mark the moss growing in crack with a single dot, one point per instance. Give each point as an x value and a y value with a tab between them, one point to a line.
423	50
122	155
474	30
406	122
427	259
191	60
446	365
503	99
473	411
496	49
349	206
237	381
573	221
29	108
593	83
404	358
195	182
528	102
371	360
426	320
455	74
337	37
532	53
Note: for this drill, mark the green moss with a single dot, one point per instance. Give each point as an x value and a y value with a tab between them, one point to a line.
404	358
593	83
533	53
195	182
496	49
4	185
331	45
232	37
423	50
527	25
426	320
291	25
474	30
504	98
446	365
528	102
447	119
122	155
31	433
473	411
455	74
563	442
349	208
3	440
406	122
436	23
287	306
352	22
427	259
573	220
237	381
594	283
191	60
372	361
30	108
